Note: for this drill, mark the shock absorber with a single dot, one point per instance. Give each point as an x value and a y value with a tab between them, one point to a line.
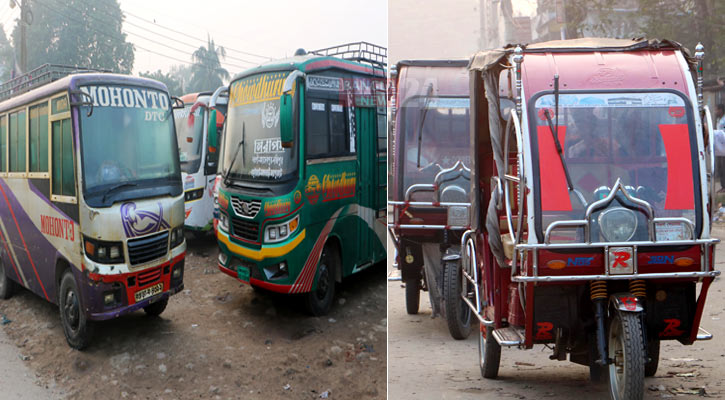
598	295
638	289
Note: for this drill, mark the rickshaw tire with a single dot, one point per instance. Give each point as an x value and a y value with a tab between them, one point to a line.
412	296
492	359
458	328
632	331
80	339
653	352
155	309
7	285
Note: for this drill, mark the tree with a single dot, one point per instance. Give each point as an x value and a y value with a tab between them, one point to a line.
172	82
86	33
7	56
207	71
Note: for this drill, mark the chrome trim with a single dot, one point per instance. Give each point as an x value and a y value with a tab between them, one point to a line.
572	278
427	204
710	156
545	246
413	226
507	343
438	180
702	334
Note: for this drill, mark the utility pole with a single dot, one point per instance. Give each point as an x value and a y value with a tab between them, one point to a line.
26	18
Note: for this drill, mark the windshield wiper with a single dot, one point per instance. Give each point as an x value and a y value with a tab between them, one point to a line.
423	113
116	187
554	131
234	158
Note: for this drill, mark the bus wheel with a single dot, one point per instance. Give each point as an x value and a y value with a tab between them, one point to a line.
155	309
7	285
625	349
412	295
653	352
489	352
319	301
77	328
458	314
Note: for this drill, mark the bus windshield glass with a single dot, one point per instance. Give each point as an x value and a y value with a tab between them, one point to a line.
189	137
127	142
436	137
645	140
252	143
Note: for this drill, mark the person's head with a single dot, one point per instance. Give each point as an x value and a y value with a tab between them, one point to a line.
720	110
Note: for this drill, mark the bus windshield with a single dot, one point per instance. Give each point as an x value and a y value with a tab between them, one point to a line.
128	142
189	138
644	140
436	137
252	143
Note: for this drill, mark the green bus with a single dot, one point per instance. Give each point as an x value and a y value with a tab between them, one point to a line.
303	167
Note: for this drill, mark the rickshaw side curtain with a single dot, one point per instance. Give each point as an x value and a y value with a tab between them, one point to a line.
680	187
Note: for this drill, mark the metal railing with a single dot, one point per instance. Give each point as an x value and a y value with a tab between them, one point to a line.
38	77
364	52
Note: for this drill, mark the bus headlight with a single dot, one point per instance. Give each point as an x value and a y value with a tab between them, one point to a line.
224	222
618	224
103	252
177	236
280	232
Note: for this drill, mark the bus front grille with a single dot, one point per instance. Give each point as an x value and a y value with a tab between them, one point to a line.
149	276
148	248
248	230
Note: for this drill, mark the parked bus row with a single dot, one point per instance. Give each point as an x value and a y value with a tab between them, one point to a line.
100	175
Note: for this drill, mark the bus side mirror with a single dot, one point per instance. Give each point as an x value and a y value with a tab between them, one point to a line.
212	132
285	120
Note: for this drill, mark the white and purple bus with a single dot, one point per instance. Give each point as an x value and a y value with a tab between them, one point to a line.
91	199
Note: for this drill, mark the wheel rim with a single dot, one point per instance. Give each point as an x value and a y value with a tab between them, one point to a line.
616	353
71	309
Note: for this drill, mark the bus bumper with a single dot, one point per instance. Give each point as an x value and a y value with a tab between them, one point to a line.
123	288
269	267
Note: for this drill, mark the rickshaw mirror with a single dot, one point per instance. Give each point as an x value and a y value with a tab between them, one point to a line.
505	107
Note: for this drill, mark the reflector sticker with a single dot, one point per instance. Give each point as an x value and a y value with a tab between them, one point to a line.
671	328
680	188
554	193
544	331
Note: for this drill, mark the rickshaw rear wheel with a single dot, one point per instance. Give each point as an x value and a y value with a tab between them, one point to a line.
626	353
7	285
412	295
653	351
458	314
77	328
489	353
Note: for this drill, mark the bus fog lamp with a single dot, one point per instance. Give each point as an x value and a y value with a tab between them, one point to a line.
109	299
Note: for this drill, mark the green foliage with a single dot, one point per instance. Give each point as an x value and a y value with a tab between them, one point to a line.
172	82
77	32
207	73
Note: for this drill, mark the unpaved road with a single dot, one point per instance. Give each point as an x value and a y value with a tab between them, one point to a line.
426	363
218	339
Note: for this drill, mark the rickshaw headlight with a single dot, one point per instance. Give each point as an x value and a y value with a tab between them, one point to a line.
618	224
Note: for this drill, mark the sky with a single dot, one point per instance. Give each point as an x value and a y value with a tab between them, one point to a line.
166	32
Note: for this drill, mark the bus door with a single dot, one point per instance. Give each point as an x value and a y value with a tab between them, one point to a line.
367	161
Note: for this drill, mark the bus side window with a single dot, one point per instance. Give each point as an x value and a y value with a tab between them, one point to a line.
16	144
382	133
39	138
317	128
339	143
3	143
63	182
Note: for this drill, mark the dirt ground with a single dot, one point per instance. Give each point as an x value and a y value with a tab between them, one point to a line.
217	339
426	363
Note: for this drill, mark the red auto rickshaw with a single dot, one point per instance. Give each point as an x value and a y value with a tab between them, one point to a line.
591	201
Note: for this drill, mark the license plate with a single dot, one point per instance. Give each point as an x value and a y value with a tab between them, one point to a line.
149	291
243	273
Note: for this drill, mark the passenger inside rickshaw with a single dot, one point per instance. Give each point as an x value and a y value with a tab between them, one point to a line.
643	139
437	136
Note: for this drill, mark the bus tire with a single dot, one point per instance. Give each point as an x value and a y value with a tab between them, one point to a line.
412	295
77	328
319	301
458	314
7	285
155	309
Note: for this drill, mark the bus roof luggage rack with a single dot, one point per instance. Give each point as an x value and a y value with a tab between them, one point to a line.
40	76
366	52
